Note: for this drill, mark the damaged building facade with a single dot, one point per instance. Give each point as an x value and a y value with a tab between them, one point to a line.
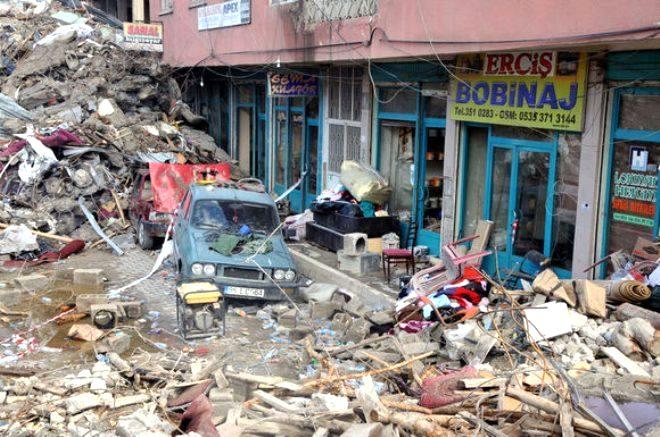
547	128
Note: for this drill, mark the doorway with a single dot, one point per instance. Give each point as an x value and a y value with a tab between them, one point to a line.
296	148
511	181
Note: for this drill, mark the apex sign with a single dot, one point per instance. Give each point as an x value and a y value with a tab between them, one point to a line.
530	64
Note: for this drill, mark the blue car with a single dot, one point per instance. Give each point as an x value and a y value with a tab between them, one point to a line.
225	235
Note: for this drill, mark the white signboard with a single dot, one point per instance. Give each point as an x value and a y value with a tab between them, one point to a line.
225	14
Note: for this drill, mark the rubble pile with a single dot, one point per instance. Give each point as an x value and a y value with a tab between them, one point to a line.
524	360
77	112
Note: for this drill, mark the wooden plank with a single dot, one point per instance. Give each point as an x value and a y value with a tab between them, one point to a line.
275	402
621	360
483	382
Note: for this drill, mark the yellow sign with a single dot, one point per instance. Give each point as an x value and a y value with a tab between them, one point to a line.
534	89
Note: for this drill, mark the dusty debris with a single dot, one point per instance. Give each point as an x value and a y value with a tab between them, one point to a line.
76	112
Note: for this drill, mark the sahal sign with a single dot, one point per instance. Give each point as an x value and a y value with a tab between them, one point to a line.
143	36
534	89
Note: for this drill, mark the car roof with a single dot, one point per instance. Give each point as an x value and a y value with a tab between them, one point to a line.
210	192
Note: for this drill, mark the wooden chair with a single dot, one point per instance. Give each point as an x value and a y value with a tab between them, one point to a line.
397	256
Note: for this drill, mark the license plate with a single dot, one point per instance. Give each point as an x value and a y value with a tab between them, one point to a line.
244	291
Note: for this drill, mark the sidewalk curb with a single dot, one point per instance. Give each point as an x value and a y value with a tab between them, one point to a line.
320	272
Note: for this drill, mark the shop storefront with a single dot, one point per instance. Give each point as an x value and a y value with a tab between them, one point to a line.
520	140
296	133
410	118
250	101
632	183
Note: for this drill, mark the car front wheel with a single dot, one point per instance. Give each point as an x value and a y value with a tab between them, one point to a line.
145	240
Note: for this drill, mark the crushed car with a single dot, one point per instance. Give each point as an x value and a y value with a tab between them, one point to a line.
229	234
157	191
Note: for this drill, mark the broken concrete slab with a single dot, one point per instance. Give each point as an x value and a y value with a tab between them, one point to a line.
81	402
591	298
318	292
142	422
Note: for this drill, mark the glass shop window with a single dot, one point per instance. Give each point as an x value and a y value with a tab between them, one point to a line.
475	180
398	100
640	112
565	200
434	178
397	164
633	190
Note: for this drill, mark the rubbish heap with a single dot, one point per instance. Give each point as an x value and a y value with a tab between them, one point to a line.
514	360
77	113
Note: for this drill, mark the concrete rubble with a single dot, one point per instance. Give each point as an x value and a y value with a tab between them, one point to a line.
77	114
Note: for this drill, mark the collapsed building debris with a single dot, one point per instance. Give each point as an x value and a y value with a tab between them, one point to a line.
77	113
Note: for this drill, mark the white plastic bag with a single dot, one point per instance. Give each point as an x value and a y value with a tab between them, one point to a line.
364	183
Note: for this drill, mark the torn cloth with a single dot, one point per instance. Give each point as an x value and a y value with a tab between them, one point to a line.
58	138
438	391
48	257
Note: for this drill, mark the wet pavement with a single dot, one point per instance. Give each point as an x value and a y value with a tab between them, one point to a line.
252	342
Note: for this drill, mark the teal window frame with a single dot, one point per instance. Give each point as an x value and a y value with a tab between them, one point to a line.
507	259
301	198
427	238
258	114
618	134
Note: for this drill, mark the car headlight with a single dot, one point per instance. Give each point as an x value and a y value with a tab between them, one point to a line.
197	269
290	275
279	274
209	269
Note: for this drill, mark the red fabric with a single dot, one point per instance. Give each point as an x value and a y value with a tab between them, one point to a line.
48	257
58	138
198	418
471	274
394	253
170	181
438	391
467	294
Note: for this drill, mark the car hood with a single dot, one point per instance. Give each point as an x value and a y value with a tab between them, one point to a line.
278	258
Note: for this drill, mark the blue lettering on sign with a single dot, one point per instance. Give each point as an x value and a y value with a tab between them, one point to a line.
498	94
548	97
475	93
526	94
572	98
463	92
515	94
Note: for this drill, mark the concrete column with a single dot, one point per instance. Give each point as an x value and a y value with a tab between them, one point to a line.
450	183
138	10
591	159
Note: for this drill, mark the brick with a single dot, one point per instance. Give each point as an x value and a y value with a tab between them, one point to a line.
84	302
355	244
359	264
33	282
89	277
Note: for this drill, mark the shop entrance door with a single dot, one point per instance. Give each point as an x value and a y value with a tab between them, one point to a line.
519	201
296	152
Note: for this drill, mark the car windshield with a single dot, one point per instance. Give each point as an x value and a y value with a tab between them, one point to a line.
230	216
